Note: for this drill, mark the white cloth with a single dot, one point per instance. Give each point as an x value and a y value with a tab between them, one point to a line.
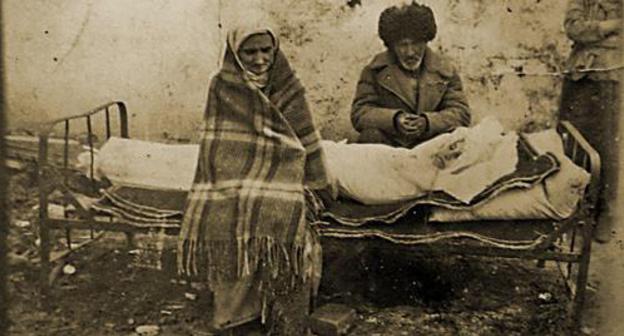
471	159
377	174
462	163
147	164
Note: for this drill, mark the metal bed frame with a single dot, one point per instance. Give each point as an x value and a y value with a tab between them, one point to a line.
569	244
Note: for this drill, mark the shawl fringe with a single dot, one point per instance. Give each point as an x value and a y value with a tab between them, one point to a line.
275	260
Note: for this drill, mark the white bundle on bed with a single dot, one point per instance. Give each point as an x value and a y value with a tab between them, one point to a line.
462	164
147	165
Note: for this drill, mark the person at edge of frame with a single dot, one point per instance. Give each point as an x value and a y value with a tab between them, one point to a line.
590	97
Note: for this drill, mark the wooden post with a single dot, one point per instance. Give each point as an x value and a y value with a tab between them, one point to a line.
4	230
4	218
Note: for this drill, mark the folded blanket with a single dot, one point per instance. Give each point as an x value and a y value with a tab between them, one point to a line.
139	207
461	164
557	197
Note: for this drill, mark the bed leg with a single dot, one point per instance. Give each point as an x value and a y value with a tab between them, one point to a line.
311	302
130	240
581	279
44	231
44	254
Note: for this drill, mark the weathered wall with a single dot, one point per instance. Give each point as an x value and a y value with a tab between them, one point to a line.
489	40
66	56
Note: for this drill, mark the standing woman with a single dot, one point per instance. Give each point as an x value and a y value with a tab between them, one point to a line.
590	97
244	232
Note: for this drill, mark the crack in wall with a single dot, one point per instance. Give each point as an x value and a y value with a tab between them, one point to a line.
77	37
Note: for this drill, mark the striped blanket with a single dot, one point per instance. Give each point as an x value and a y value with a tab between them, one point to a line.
246	207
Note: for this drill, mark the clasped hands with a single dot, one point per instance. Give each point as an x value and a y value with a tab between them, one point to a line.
410	124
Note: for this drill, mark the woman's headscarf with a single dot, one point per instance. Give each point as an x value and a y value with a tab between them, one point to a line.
235	39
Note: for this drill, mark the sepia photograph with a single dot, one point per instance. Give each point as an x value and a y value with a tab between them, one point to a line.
313	168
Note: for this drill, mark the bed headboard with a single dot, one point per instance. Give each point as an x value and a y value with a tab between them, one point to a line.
107	110
578	149
54	169
104	121
53	161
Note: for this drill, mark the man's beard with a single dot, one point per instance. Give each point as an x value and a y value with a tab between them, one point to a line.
411	65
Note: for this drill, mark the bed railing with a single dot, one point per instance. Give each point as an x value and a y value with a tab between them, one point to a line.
578	149
49	179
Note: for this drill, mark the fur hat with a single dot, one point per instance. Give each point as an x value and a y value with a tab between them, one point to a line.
413	21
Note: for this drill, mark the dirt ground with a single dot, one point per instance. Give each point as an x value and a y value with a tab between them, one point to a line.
606	274
109	295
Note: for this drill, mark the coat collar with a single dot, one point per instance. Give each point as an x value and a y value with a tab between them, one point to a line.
432	81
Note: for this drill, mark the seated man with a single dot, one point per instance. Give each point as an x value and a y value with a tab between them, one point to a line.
408	93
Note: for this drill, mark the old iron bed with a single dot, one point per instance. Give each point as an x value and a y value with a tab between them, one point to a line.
568	242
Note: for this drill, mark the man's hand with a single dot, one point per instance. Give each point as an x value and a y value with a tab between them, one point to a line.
410	124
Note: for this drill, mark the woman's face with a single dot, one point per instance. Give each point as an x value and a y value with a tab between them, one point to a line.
410	53
257	53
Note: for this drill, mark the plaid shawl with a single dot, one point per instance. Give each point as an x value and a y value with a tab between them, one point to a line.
246	209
